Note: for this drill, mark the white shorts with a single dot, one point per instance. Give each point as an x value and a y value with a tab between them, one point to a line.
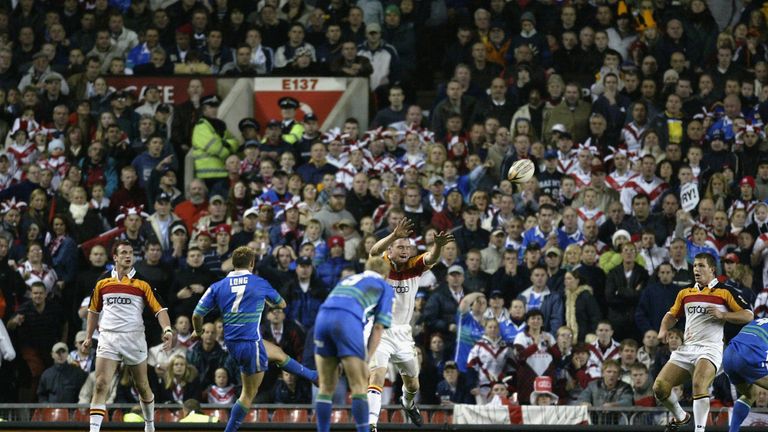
396	346
687	355
129	347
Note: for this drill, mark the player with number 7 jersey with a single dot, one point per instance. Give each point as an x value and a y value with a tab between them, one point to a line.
241	297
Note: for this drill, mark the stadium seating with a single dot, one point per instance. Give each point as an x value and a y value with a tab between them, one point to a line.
51	415
290	416
440	417
340	416
221	413
165	415
257	416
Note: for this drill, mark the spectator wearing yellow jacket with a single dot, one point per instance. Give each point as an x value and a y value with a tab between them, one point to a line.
212	143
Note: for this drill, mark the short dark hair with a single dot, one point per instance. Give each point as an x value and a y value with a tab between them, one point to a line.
708	258
550	207
532	313
640	196
242	257
120	243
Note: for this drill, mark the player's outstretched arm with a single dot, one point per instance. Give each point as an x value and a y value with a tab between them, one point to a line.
402	230
433	255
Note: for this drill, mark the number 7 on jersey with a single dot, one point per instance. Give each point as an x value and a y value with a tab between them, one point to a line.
238	291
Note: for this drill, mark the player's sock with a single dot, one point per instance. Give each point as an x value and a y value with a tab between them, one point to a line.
740	412
408	397
700	412
236	416
374	404
298	369
98	412
671	403
148	411
360	412
323	405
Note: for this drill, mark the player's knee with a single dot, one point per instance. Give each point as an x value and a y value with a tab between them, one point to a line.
661	389
100	386
412	385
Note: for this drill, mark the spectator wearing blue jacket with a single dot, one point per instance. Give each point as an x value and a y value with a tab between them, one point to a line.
699	243
656	299
542	232
452	390
306	293
148	160
330	270
529	36
539	296
142	53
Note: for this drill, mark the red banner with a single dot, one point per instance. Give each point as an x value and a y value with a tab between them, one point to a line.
173	88
317	93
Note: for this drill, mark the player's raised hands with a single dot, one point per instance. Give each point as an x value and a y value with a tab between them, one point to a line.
404	228
443	238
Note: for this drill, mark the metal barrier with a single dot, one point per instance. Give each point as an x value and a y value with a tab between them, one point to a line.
638	417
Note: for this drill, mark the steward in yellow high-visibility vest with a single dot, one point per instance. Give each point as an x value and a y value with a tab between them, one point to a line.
292	130
212	143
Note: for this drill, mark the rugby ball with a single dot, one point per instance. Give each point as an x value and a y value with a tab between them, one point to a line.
521	171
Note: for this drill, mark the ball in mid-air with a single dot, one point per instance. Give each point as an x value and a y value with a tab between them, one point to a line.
521	171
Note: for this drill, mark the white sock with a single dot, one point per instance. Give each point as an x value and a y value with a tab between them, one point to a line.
408	397
671	403
148	411
374	404
97	416
701	413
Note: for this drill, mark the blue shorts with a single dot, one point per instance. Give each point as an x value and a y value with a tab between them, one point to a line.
339	333
250	356
744	362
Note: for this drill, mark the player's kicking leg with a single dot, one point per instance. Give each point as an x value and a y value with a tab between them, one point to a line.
671	375
146	397
703	375
276	355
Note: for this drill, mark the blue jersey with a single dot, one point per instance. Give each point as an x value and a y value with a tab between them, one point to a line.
364	295
469	331
745	359
755	333
240	297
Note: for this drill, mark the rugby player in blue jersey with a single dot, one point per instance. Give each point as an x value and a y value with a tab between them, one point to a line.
241	297
339	338
746	362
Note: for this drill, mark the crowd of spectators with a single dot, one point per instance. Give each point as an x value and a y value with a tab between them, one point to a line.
554	288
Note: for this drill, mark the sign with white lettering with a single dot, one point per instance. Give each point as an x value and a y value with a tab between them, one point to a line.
689	196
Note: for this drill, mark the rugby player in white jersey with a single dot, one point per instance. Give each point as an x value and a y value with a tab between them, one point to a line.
397	341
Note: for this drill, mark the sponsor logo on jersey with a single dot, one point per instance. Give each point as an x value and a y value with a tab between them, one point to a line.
697	309
402	289
117	300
